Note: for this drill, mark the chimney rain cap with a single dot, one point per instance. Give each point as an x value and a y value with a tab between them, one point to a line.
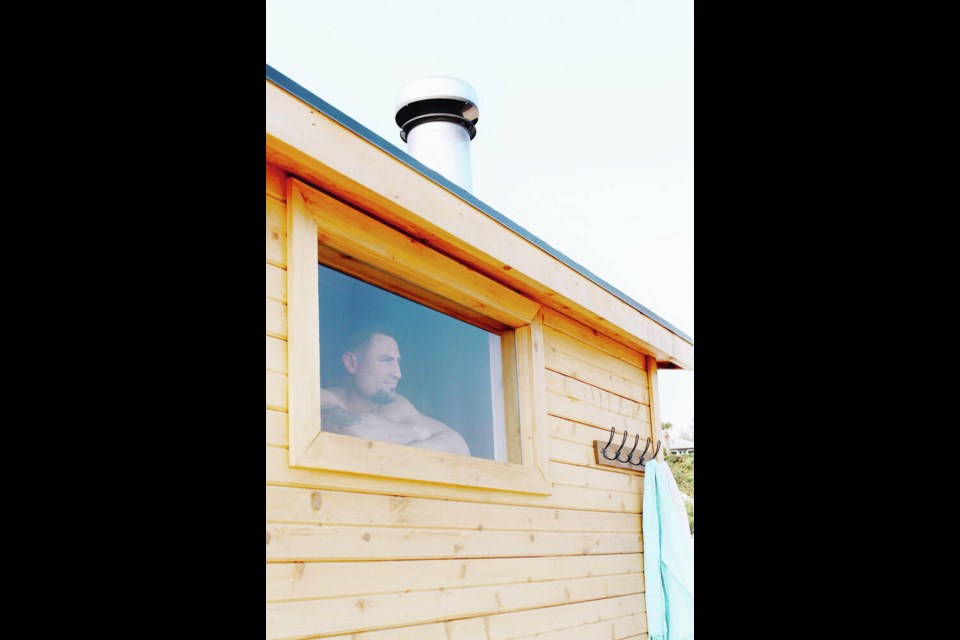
437	98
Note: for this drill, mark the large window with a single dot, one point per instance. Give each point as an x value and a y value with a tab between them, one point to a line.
449	355
449	370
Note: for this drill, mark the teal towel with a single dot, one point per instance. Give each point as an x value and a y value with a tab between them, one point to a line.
667	557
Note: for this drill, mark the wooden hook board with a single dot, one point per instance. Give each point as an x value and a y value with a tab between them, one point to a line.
598	447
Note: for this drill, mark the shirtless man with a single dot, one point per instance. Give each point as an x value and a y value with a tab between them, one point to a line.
368	405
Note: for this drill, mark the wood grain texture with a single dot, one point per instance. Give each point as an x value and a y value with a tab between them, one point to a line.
276	319
297	505
629	458
276	183
276	355
564	620
587	335
563	406
310	580
276	428
276	391
276	283
597	499
279	472
369	458
346	230
655	409
570	452
276	232
594	478
616	629
575	389
531	386
381	558
525	623
298	619
572	443
349	265
584	434
349	231
303	325
295	542
511	397
574	359
465	629
323	152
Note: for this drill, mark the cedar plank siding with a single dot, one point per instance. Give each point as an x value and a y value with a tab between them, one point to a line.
366	558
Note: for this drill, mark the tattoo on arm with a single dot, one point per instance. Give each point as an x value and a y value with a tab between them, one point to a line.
337	418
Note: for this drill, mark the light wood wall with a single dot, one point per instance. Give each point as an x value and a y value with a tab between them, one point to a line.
365	558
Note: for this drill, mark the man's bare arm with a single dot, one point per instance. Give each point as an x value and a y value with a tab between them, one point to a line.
411	427
336	418
447	440
440	436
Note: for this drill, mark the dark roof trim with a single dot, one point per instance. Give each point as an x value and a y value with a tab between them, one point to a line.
329	110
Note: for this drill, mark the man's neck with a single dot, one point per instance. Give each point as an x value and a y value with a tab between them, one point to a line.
359	404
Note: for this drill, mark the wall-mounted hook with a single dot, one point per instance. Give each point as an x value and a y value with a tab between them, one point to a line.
636	439
643	463
639	463
622	442
624	463
613	431
657	451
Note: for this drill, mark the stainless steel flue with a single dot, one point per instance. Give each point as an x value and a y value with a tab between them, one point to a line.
437	117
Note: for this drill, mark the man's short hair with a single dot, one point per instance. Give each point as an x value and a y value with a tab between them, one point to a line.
360	338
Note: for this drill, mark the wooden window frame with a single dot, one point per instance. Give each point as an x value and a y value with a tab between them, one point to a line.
323	230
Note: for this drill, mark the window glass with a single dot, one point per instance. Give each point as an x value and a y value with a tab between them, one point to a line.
397	371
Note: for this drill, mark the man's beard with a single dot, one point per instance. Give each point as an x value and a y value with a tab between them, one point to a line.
384	397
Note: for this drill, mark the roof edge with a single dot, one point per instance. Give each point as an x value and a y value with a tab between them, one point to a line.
332	112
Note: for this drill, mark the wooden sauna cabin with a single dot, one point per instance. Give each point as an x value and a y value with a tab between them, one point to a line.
527	355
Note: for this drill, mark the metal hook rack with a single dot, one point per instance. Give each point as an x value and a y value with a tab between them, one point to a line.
616	461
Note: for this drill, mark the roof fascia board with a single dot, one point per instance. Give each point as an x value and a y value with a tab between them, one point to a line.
296	142
335	114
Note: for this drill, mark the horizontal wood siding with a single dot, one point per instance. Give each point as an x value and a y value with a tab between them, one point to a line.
564	496
292	505
276	232
306	618
310	580
582	621
368	558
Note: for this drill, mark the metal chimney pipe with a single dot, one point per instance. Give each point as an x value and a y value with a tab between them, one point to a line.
436	116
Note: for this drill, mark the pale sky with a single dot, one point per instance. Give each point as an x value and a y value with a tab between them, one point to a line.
585	136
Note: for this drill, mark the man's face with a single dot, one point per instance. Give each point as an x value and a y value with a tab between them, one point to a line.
376	370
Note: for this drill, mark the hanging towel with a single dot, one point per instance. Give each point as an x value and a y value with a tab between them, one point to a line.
667	557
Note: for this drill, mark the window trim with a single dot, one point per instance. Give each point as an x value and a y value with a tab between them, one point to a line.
323	230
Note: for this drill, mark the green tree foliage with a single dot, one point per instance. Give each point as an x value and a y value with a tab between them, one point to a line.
682	469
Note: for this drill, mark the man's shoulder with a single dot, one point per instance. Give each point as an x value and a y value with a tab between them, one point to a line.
401	407
332	393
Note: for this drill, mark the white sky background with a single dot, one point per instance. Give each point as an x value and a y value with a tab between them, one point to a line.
585	137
